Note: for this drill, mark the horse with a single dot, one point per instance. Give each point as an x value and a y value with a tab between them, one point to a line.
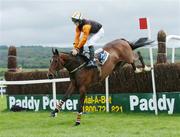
82	77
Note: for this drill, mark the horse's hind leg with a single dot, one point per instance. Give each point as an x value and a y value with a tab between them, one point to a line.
145	68
82	91
132	59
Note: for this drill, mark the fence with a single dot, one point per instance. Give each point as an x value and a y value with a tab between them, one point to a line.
53	81
168	38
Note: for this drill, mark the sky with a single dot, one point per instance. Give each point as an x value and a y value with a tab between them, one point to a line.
48	22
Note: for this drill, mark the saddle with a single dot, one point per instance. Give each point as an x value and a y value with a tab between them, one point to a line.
100	56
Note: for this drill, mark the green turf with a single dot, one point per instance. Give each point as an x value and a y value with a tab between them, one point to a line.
38	124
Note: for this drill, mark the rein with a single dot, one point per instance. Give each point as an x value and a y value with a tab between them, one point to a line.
79	67
66	65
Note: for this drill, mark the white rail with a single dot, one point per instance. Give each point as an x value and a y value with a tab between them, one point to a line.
25	82
53	81
172	37
175	37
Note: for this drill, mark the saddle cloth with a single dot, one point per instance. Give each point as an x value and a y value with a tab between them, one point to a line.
101	55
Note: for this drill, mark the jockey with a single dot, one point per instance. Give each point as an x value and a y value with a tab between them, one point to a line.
92	32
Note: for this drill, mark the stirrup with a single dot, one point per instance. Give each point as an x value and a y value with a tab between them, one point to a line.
91	64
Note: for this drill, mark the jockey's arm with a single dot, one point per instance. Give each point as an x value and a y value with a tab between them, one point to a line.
86	31
77	36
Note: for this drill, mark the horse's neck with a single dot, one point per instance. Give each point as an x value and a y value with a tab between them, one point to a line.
70	62
64	57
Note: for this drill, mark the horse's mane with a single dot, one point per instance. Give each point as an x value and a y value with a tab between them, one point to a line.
78	56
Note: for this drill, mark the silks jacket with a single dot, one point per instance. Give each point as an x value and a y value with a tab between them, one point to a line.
87	27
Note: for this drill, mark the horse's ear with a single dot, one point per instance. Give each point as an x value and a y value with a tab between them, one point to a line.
56	52
53	51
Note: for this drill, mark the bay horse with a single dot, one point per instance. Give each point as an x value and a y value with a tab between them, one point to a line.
82	77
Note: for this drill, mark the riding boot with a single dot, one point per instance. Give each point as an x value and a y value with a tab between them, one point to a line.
81	50
91	53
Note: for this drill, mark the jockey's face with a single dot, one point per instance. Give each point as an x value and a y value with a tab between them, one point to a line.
75	21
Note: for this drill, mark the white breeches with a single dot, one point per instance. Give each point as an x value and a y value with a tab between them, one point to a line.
93	38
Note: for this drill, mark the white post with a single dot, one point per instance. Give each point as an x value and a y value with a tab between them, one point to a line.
153	81
54	93
173	54
152	70
149	29
1	93
2	89
107	93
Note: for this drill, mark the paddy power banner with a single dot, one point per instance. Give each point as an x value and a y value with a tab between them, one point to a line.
143	102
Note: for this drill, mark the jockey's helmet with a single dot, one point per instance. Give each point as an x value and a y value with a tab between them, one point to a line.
77	17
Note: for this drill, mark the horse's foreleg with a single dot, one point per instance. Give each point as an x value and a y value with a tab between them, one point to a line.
81	104
66	96
145	68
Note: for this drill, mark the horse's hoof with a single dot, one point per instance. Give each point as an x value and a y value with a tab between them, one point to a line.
77	124
138	70
53	114
146	68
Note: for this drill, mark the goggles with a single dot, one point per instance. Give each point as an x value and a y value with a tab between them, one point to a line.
75	20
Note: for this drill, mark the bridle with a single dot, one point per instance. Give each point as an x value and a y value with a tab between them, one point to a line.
66	65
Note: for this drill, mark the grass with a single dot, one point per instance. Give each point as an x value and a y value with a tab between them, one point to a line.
38	124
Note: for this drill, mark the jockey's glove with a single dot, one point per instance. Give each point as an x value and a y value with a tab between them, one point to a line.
75	51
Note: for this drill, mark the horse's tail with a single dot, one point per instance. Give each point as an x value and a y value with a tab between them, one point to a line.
140	43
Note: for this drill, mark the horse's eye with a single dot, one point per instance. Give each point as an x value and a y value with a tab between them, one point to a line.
56	61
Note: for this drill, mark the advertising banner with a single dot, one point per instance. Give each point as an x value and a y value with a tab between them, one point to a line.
128	102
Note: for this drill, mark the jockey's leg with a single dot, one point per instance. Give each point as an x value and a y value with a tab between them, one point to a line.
91	53
66	96
81	50
92	42
81	104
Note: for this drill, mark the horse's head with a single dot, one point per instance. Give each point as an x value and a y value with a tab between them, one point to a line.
56	63
65	60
